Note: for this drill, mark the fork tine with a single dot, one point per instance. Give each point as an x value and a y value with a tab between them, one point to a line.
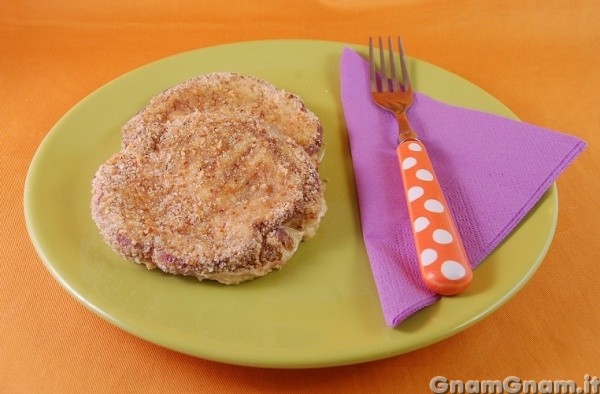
395	83
372	72
381	82
382	68
405	77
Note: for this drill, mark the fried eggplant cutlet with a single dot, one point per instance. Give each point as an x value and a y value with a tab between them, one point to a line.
232	93
215	195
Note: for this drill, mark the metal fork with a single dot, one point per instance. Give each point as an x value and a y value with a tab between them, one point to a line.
443	263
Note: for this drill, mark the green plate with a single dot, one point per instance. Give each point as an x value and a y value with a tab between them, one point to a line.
322	308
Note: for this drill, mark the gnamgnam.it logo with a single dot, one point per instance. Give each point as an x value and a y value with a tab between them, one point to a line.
514	385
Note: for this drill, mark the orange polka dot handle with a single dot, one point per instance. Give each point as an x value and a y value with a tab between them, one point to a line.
442	259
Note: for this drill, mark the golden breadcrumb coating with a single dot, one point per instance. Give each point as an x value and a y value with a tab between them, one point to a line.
232	93
215	195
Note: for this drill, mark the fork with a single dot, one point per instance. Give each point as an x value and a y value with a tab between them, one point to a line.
443	262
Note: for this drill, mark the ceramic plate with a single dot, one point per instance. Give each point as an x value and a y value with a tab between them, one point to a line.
322	308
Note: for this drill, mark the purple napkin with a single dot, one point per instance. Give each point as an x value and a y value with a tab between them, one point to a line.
492	170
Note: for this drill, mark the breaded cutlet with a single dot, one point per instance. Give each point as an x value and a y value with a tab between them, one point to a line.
212	195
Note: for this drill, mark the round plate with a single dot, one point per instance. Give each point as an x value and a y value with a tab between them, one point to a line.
322	308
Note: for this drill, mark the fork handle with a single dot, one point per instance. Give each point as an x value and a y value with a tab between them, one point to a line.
443	262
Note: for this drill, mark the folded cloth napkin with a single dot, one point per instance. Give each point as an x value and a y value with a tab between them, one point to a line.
492	170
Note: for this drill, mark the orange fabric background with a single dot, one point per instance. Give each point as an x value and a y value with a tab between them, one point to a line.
538	57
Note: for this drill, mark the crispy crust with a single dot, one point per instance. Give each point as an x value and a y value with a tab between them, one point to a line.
232	93
216	196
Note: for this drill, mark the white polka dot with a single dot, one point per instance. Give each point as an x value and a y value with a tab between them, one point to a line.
409	162
414	193
421	223
428	256
424	175
453	270
415	147
442	236
434	206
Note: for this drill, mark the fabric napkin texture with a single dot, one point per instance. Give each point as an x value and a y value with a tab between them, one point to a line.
492	170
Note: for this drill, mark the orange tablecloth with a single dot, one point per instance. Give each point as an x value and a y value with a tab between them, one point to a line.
538	57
